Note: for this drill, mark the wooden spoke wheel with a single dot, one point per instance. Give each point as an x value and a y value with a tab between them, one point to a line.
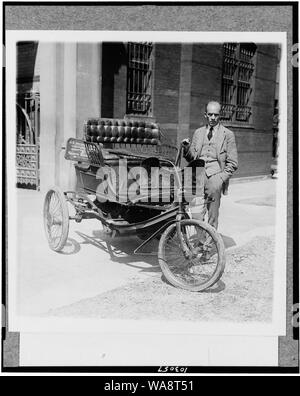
192	258
56	219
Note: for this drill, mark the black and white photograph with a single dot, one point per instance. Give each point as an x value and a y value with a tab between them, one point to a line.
147	194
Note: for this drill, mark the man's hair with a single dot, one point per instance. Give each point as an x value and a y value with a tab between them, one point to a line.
212	101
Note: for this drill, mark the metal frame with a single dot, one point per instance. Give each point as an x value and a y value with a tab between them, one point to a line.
27	148
139	78
237	82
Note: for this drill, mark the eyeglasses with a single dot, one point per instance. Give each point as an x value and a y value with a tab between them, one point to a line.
213	114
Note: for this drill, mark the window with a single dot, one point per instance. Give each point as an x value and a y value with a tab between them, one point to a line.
237	81
139	78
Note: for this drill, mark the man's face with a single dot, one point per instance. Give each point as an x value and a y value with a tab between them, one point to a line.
213	114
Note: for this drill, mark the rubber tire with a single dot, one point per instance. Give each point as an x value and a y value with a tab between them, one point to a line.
65	219
221	252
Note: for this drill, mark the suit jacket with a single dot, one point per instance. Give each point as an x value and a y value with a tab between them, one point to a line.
226	151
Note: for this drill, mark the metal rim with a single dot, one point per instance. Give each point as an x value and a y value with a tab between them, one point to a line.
56	219
202	269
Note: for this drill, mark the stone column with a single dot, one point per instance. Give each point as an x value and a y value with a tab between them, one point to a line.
66	98
70	86
185	91
47	114
185	87
89	81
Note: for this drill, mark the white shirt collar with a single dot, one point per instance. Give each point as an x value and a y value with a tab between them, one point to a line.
215	128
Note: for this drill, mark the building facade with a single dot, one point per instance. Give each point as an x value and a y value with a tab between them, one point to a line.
59	85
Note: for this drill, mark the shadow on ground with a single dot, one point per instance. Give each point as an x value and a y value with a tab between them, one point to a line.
247	297
121	248
228	241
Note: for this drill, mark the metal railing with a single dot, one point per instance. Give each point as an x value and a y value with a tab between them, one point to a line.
28	132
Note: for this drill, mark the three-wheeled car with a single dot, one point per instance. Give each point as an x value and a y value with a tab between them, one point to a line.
133	183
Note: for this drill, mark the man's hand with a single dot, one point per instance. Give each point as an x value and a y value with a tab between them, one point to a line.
186	142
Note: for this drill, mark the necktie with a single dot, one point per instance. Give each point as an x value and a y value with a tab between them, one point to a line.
210	133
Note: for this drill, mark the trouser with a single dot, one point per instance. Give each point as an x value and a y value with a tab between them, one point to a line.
212	194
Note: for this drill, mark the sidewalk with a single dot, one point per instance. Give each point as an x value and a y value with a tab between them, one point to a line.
248	210
93	264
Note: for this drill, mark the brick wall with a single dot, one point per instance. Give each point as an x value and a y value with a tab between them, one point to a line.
186	76
255	143
206	80
166	88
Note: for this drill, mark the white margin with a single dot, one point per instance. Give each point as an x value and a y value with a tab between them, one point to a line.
28	324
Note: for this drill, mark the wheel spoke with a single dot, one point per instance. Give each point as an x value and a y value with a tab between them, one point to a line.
56	230
200	267
56	219
56	207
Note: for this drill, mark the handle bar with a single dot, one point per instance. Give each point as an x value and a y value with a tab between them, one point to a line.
178	156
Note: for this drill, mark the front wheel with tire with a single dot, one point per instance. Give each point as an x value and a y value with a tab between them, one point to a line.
56	219
191	255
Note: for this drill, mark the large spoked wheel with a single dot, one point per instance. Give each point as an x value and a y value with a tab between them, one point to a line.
191	255
56	219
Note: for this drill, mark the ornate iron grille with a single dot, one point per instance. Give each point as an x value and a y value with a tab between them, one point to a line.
27	165
27	150
139	78
238	68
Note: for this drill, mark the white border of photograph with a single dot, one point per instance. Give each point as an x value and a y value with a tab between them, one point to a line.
29	324
165	350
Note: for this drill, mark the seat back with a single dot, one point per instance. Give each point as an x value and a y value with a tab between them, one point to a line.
110	131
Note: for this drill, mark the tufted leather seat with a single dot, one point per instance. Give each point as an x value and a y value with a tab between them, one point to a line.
108	130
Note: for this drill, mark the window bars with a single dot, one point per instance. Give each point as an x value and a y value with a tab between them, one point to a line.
237	86
139	78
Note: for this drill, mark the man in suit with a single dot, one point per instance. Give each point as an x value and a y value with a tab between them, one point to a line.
216	145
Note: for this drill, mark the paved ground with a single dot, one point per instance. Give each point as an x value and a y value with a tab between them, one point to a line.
244	294
93	264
